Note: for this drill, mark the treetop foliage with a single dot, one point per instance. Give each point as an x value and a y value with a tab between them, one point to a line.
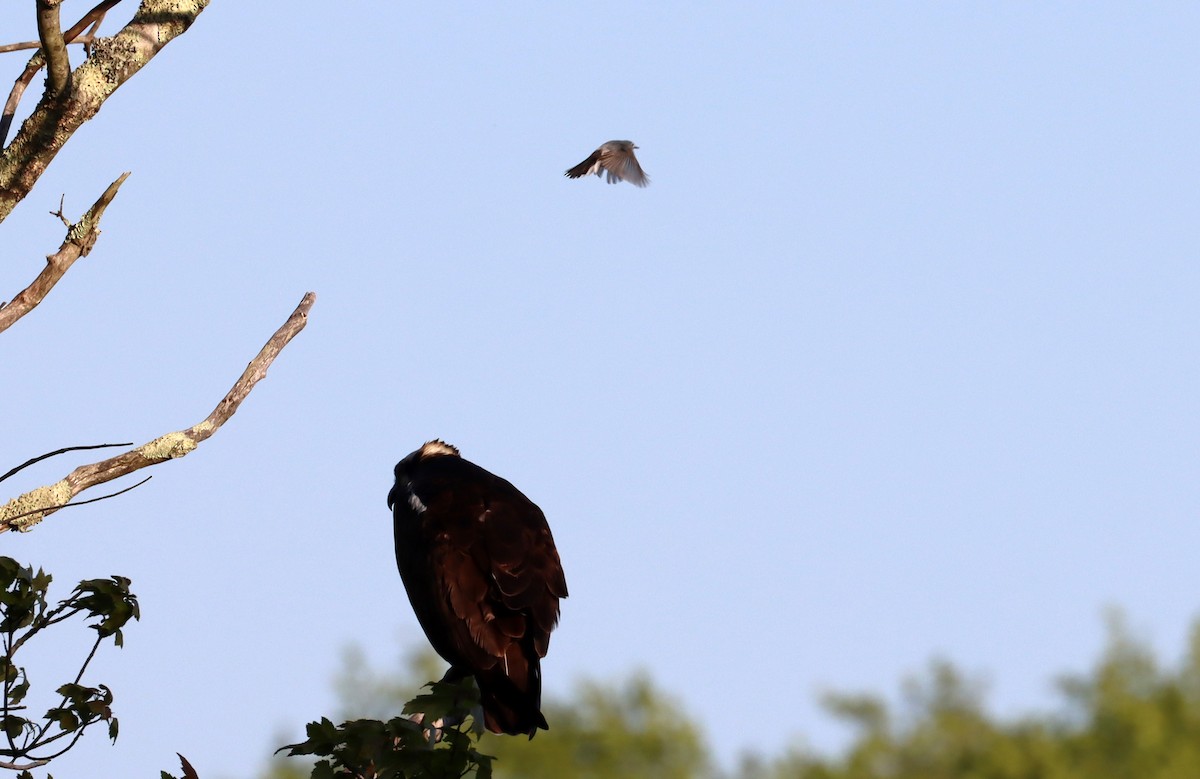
1129	717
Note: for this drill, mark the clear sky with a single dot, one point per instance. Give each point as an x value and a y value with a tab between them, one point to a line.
895	358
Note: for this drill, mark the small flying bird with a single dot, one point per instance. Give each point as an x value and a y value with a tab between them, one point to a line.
483	576
615	158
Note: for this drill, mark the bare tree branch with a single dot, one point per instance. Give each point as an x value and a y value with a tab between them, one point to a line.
14	97
113	62
81	237
76	34
13	520
26	45
54	48
44	501
15	766
92	18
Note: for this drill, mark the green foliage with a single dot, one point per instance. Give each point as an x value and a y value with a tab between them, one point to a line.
429	745
24	613
1129	717
626	729
366	692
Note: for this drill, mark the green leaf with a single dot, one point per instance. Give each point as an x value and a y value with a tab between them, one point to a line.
67	720
22	594
445	699
12	725
111	601
18	691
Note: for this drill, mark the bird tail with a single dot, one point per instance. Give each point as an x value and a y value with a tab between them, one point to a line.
512	696
587	166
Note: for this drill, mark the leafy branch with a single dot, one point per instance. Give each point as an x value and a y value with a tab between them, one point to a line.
437	740
25	612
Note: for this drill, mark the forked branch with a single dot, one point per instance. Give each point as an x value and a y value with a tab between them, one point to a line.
81	237
57	116
23	512
90	22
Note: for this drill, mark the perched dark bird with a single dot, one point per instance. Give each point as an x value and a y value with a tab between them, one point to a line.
615	158
483	576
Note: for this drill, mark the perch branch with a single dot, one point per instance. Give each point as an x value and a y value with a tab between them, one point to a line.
81	237
16	514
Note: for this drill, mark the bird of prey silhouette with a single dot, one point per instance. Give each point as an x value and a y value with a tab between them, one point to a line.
616	158
483	576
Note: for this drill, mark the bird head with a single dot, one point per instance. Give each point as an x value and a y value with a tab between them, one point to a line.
430	449
436	448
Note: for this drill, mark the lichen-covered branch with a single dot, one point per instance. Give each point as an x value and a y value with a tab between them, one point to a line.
23	512
112	62
79	33
81	236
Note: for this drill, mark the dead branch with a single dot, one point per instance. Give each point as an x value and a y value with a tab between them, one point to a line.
26	45
14	97
113	61
43	501
13	520
90	19
81	237
15	766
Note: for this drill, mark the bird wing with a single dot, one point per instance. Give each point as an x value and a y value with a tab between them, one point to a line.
497	570
623	166
524	566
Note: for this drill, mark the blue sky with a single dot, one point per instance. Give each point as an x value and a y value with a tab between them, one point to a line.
894	359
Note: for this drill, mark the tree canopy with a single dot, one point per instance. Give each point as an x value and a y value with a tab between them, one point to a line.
1129	717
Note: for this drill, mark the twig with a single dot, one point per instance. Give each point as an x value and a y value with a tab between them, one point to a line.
18	91
59	213
81	236
55	453
8	681
46	500
26	45
22	766
54	48
92	18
